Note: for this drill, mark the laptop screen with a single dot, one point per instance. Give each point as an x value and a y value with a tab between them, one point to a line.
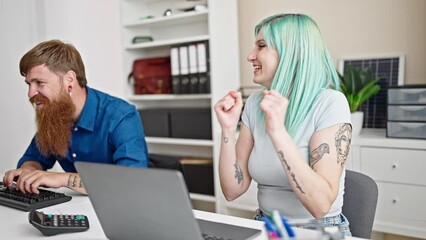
141	203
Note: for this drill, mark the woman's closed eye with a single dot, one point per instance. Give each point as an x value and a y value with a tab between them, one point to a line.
261	45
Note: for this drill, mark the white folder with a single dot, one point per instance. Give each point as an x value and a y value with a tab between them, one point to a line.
174	58
183	60
184	69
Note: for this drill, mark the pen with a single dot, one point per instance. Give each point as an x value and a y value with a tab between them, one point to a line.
288	228
270	228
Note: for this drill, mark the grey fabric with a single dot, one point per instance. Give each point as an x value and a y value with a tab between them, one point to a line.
359	203
274	189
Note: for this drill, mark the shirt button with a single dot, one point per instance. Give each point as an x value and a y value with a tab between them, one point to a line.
74	155
76	129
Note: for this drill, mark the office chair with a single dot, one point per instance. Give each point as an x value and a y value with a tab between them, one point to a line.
359	203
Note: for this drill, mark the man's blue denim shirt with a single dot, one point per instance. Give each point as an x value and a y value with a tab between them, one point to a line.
109	130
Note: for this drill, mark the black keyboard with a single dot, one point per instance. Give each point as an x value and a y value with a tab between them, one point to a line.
25	201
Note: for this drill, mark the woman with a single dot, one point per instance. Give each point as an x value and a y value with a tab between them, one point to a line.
295	134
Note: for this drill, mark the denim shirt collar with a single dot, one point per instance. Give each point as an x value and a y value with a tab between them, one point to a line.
88	115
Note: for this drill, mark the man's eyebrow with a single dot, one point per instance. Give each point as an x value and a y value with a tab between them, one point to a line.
32	80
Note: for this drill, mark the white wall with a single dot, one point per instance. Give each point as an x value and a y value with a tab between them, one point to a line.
351	29
16	120
91	26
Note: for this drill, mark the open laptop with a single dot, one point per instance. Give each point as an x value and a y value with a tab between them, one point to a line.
143	203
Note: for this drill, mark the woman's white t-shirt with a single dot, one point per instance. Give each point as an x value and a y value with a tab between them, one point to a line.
274	189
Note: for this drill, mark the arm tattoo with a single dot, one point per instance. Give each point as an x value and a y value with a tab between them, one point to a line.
226	140
238	173
343	143
293	176
317	154
74	181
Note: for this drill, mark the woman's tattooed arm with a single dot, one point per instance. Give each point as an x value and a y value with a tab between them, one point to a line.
288	168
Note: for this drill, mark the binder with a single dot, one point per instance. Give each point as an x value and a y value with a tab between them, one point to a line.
193	69
175	71
184	69
203	72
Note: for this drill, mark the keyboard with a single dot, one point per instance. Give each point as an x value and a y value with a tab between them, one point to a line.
25	201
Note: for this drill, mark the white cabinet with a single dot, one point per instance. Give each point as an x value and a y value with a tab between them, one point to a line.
398	167
216	24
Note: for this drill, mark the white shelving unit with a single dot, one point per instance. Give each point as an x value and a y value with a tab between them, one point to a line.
397	166
181	18
218	25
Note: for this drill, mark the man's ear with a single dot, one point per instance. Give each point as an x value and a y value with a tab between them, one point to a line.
70	78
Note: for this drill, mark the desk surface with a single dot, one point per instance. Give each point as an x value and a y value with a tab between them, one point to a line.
14	223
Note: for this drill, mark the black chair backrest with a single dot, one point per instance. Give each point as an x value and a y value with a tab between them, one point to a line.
165	161
359	203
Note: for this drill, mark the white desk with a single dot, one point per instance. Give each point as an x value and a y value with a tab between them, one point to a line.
14	223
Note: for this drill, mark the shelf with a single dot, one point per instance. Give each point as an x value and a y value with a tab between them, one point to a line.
150	1
377	138
166	97
202	197
164	43
178	18
217	24
179	141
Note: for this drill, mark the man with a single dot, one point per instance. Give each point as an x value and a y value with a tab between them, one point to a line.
74	122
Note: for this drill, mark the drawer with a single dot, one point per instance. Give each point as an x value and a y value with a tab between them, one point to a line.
407	113
400	204
155	122
407	95
406	130
394	165
195	123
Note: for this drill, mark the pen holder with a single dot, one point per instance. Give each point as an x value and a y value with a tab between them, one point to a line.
277	226
318	231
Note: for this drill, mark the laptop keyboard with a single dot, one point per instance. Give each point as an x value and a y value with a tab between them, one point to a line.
25	201
211	237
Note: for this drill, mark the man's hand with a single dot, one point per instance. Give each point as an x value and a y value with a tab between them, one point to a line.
30	182
30	179
10	175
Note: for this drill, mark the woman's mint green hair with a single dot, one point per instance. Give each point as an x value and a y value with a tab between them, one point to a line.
305	66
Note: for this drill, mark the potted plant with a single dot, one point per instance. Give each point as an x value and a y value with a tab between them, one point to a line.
358	85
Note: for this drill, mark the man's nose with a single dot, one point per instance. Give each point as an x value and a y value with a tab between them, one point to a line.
32	91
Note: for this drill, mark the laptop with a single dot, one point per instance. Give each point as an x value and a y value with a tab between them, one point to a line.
147	203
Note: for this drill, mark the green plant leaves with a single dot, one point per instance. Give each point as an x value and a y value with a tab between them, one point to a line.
358	85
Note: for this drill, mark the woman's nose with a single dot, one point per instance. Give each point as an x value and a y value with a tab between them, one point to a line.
251	56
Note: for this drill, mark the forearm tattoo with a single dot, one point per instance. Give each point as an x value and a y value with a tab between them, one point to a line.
238	173
317	154
293	176
343	142
74	181
226	140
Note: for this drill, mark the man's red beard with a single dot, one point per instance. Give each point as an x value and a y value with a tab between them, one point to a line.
54	123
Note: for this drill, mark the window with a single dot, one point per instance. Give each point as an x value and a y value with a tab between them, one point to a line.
391	72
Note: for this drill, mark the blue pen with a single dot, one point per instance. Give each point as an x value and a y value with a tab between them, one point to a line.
288	228
270	226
